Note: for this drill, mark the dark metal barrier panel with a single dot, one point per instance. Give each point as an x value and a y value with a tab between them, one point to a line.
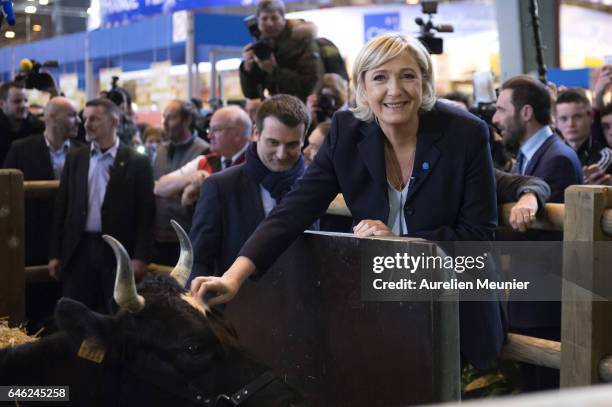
305	318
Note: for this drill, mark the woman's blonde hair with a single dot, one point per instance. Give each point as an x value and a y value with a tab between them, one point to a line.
382	49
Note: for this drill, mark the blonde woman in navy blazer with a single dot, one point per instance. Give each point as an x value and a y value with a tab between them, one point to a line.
398	137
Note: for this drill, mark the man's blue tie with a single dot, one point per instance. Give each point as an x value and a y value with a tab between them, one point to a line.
520	162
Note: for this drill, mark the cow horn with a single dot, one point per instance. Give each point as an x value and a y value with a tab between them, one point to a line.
125	288
183	267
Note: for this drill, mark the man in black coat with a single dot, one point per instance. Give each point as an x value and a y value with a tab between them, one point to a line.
16	121
41	157
106	188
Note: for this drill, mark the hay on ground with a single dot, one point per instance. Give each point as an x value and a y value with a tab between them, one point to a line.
10	337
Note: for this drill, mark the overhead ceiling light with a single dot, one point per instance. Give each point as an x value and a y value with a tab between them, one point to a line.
30	9
37	27
89	10
43	2
9	34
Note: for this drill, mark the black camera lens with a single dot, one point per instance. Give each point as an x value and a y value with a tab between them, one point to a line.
262	49
326	102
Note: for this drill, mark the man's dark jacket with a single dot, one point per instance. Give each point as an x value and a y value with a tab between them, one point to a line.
228	211
30	126
558	165
127	211
31	156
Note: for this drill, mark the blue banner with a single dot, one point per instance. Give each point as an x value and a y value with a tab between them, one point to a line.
570	77
375	24
116	12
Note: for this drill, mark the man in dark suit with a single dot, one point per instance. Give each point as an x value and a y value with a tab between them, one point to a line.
41	157
523	115
106	188
233	202
16	121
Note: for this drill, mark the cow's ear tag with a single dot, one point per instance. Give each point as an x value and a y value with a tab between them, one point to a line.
91	350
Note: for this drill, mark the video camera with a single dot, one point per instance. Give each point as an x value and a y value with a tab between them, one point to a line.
262	48
30	75
434	45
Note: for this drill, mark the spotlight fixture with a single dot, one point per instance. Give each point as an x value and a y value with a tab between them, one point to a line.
37	27
30	9
9	34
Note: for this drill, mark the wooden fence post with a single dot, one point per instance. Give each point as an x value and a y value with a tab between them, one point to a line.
586	327
12	252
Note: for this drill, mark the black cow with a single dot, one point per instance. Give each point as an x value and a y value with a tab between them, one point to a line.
163	348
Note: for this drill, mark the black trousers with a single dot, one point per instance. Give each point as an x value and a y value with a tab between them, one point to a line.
89	276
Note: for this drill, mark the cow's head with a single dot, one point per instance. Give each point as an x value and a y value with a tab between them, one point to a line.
163	347
162	338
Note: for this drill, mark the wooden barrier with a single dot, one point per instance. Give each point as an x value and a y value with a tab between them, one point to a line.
12	283
586	325
537	351
592	396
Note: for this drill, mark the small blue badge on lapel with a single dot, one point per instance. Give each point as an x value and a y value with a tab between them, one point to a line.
425	165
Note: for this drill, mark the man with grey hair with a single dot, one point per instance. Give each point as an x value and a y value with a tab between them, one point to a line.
184	146
229	135
233	202
105	188
284	59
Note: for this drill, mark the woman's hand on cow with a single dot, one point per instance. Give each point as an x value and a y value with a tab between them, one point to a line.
369	227
223	288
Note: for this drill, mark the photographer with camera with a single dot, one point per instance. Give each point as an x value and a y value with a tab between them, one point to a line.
284	59
16	121
330	95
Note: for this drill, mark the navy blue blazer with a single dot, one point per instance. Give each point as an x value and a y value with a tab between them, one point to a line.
558	165
228	211
452	197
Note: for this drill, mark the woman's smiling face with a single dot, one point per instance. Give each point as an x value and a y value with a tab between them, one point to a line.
394	90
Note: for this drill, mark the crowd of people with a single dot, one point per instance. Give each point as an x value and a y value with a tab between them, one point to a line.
246	187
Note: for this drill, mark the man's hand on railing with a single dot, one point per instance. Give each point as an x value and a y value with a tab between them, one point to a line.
54	269
523	213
